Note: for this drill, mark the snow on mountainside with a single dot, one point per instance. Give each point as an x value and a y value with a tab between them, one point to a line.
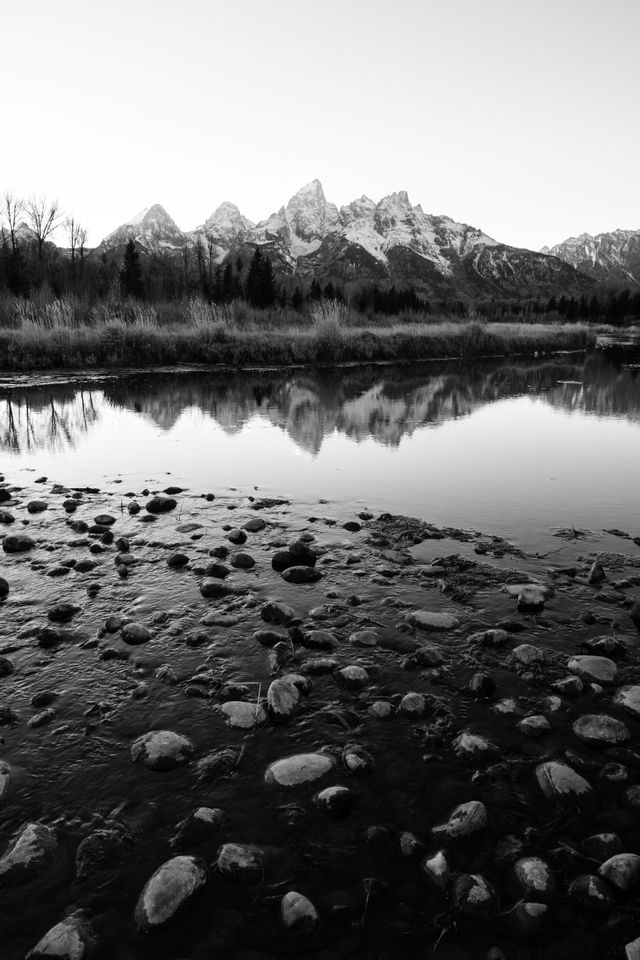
608	257
388	241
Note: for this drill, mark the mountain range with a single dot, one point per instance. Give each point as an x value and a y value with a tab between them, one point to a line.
388	242
391	241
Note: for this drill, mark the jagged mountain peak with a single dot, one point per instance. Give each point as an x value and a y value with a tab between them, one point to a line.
612	257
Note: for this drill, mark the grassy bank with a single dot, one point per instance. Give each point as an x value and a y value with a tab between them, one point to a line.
54	336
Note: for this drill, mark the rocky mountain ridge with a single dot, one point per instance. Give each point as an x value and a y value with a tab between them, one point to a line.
612	257
391	241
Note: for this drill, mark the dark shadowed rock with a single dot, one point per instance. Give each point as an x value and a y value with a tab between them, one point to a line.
71	939
277	613
31	851
160	504
213	589
301	575
17	543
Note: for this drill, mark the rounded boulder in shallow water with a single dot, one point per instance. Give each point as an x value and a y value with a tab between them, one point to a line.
531	599
33	850
299	769
176	561
591	892
535	726
71	939
527	654
240	863
282	699
622	870
135	634
297	913
161	504
533	879
469	744
352	677
464	821
280	614
254	525
214	589
559	782
4	588
430	620
37	506
528	920
600	669
17	543
414	704
473	896
628	697
200	826
243	715
299	574
598	728
168	891
336	801
162	750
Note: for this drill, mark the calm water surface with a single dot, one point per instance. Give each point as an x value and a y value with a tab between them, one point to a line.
513	449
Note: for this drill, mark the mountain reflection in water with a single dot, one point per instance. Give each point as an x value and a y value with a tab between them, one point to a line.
384	403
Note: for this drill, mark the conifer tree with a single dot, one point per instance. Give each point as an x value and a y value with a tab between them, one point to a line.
261	288
131	284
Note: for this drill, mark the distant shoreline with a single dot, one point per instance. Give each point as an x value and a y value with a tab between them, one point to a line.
32	347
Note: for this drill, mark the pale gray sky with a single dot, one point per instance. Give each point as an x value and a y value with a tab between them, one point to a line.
516	116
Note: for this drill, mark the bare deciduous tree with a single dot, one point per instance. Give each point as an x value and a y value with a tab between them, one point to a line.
76	235
12	208
44	218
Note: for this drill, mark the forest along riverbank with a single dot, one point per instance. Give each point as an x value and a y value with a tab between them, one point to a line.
264	734
34	346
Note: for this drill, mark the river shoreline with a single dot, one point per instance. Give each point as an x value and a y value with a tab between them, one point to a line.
426	668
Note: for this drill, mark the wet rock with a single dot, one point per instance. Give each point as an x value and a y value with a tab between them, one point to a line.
237	536
242	561
531	599
42	718
352	677
168	891
336	801
600	669
591	892
601	846
468	744
622	870
71	939
628	697
37	506
432	621
162	750
277	613
297	913
135	633
217	570
282	699
600	729
102	849
569	686
6	667
63	612
160	504
596	574
34	848
319	665
177	561
527	654
473	895
414	704
134	507
282	560
634	613
559	782
532	879
217	764
240	863
508	707
320	640
105	520
213	589
535	726
243	715
298	769
269	638
381	710
255	525
367	637
200	826
495	638
357	760
17	543
464	821
632	949
85	565
435	869
482	685
5	778
4	588
301	575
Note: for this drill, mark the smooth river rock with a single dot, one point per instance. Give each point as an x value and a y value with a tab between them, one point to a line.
243	715
598	728
168	891
600	669
297	913
559	782
628	697
162	750
622	870
240	863
71	939
298	769
431	620
32	851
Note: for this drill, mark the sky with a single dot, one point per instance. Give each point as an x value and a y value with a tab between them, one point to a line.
519	117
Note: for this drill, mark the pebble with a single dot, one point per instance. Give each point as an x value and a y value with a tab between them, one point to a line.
214	589
357	760
414	704
168	891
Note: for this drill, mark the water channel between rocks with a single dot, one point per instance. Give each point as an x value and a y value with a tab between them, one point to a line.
514	474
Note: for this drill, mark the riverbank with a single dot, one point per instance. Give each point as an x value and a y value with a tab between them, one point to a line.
33	346
379	735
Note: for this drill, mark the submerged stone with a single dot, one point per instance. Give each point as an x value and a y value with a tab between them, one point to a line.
240	863
297	913
162	750
464	820
168	891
